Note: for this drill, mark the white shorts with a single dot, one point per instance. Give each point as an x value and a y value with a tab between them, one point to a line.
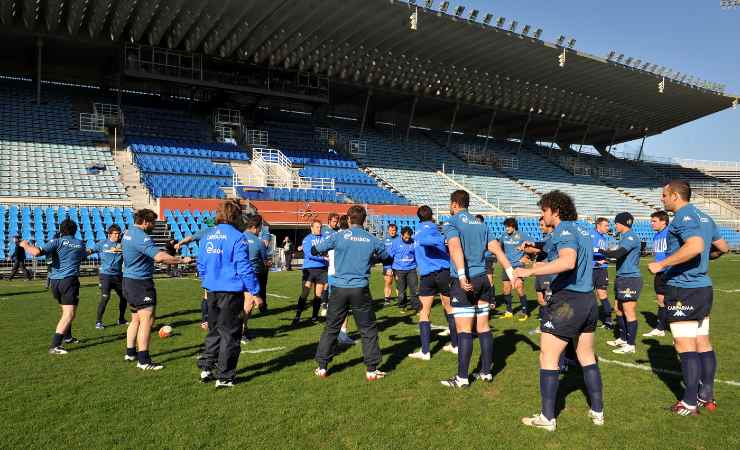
690	329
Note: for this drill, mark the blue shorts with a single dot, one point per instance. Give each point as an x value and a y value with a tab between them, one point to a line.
688	304
627	289
481	293
140	294
569	313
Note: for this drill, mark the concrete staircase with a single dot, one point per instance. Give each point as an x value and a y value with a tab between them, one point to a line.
131	179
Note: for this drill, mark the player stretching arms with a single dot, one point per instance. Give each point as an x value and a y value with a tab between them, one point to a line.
314	274
390	238
511	241
468	239
571	314
693	239
111	274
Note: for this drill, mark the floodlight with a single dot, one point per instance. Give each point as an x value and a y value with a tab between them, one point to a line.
430	4
500	22
474	15
571	43
538	33
444	7
611	55
561	39
487	19
459	11
513	25
526	29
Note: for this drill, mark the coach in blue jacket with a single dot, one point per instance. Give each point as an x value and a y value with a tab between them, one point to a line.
226	273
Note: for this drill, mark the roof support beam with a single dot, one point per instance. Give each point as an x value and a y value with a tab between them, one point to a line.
411	117
452	124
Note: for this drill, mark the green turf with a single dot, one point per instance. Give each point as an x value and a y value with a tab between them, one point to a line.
92	398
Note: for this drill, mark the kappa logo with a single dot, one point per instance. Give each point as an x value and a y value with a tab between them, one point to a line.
147	300
687	219
549	325
679	309
565	233
628	293
455	300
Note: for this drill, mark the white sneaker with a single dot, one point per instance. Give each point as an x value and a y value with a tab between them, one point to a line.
374	375
129	358
654	333
616	343
57	351
149	366
482	376
321	373
539	421
626	348
596	417
450	348
222	384
420	355
323	309
344	339
445	332
205	376
456	383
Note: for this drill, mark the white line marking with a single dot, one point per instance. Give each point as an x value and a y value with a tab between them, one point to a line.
727	291
277	295
438	327
658	370
263	350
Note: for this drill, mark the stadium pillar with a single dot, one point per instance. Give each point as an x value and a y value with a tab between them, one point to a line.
583	140
452	123
490	127
39	46
524	131
555	137
642	145
364	111
411	117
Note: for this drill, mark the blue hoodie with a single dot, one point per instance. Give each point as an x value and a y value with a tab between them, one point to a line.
430	249
223	262
403	255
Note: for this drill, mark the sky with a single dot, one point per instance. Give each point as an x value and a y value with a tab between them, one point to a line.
690	36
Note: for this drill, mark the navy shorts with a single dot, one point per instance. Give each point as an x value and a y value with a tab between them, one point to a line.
490	263
110	283
140	294
569	313
435	283
542	283
601	278
319	276
687	304
659	283
66	291
481	292
627	289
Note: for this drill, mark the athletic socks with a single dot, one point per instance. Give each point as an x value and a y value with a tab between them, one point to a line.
301	306
607	310
425	333
631	332
622	328
486	351
691	368
508	300
662	313
130	351
523	300
68	333
464	353
56	341
325	296
592	379
122	310
453	329
708	361
144	357
315	305
549	380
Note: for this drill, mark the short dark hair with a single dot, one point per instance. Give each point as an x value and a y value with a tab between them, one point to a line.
600	220
561	202
357	215
424	213
480	218
144	215
406	230
113	228
662	216
343	222
511	222
391	225
67	228
316	221
253	221
682	188
462	198
332	215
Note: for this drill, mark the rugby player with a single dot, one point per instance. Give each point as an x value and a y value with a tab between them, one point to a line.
314	274
571	314
196	238
66	253
111	274
390	237
139	255
467	240
257	254
600	238
659	221
628	285
404	269
693	239
433	263
511	241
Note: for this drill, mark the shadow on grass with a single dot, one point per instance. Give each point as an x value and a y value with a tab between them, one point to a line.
663	359
504	345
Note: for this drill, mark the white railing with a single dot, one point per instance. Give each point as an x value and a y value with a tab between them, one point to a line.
327	136
258	138
323	184
357	147
92	122
228	116
507	163
108	111
709	165
271	156
224	133
610	172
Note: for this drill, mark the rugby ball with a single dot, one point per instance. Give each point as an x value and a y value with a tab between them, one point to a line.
165	332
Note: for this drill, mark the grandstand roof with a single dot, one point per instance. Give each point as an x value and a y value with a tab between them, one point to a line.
362	44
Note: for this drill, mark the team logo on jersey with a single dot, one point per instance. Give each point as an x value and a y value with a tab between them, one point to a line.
349	237
217	236
549	325
66	243
213	250
565	233
686	218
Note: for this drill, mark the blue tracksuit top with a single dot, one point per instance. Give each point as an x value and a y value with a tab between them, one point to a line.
67	253
139	251
354	250
430	249
223	262
403	255
310	261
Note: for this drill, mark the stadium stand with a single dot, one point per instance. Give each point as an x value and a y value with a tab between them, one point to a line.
54	163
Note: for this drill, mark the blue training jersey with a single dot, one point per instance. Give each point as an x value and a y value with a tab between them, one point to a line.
629	265
660	245
310	261
223	262
111	262
257	252
139	251
474	238
388	242
571	235
403	254
354	250
689	222
430	249
200	234
599	240
511	243
67	253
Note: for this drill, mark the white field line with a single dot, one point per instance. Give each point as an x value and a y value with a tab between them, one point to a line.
658	370
264	350
277	295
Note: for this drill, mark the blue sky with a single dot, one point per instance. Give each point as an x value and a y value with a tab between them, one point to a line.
690	36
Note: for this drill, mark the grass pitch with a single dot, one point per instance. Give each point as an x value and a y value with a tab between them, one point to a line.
91	398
